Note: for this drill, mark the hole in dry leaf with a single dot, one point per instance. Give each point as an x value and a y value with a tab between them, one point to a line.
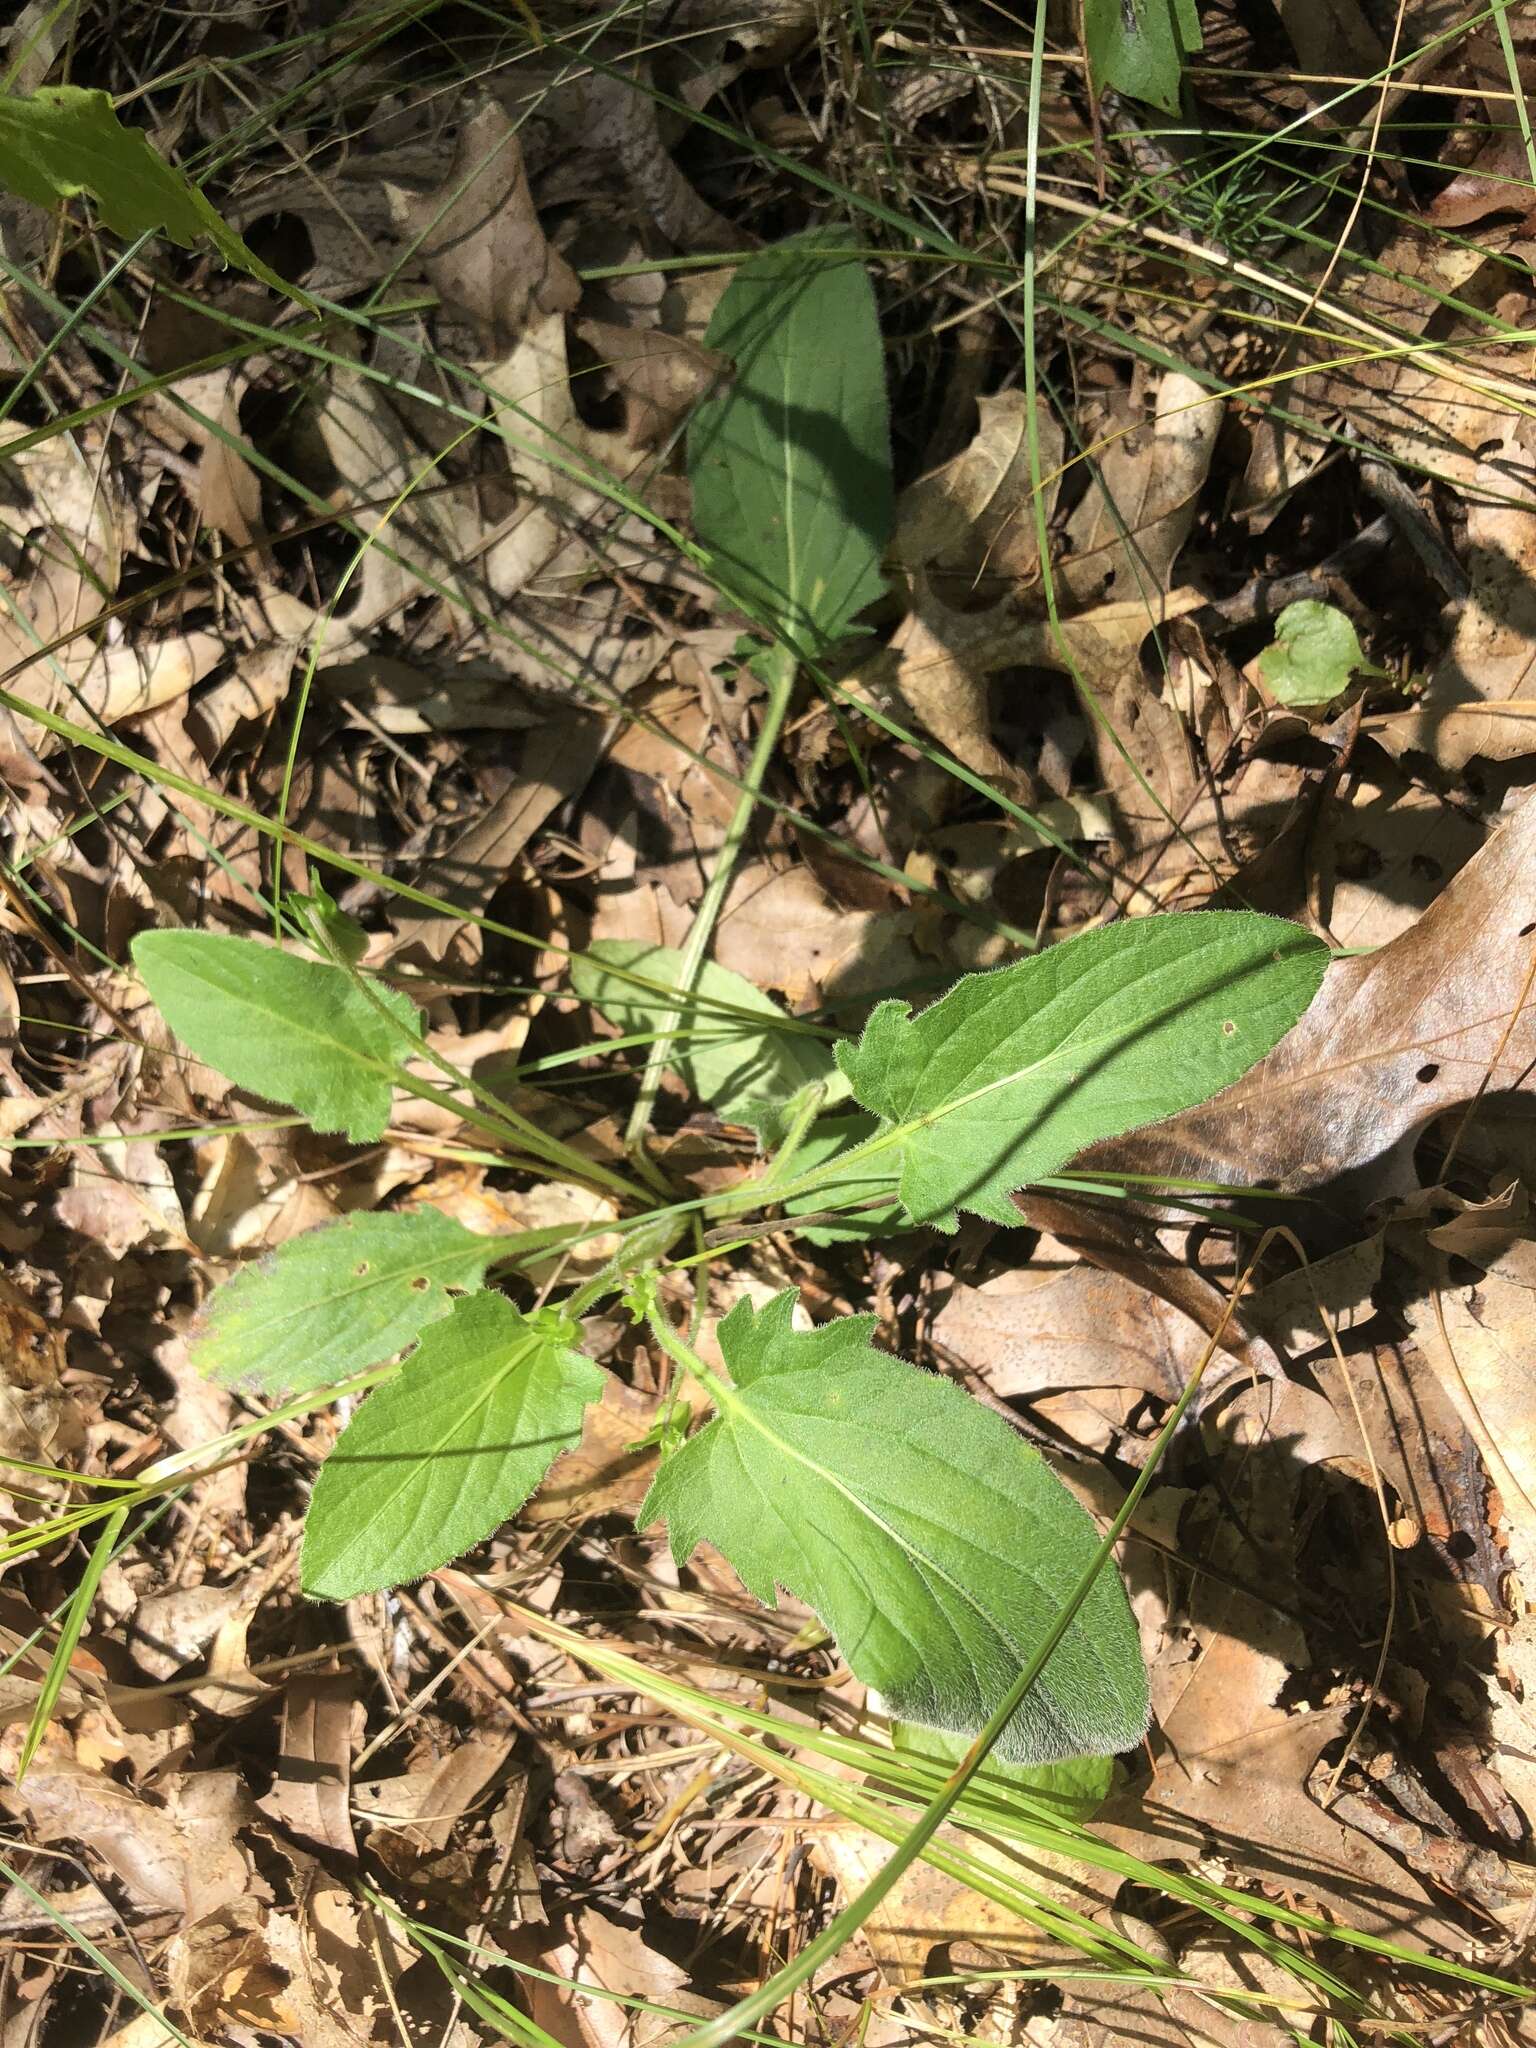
1428	1071
1525	931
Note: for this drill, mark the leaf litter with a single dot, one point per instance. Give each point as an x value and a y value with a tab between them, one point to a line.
437	554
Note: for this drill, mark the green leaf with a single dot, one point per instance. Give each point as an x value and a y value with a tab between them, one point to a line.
1314	653
337	1300
744	1069
825	1142
790	460
1139	47
935	1543
330	929
62	140
440	1457
1013	1073
296	1031
1076	1787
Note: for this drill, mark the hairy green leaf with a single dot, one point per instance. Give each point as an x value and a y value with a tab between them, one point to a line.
1138	47
745	1066
296	1031
1012	1073
935	1543
790	459
441	1456
1314	653
63	140
1074	1786
336	1300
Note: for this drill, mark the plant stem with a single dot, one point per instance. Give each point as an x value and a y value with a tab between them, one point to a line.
684	1355
778	671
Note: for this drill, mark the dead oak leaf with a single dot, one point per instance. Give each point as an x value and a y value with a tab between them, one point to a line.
1247	1800
480	238
1393	1039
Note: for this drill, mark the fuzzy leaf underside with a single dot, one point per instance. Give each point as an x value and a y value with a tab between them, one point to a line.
933	1541
336	1300
301	1032
439	1457
1014	1072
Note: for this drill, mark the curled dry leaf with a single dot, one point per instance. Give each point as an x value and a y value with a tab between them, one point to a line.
1393	1038
1126	533
972	524
311	1798
661	376
479	235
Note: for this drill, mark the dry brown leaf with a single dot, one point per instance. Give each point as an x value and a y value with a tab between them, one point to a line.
600	1951
310	1800
1247	1802
479	235
928	1909
419	1808
1041	1328
226	488
1498	180
549	768
1491	661
1110	2015
604	1474
971	525
169	1629
219	1972
1393	1039
426	537
661	376
1125	535
935	669
40	1421
1479	1340
332	1953
121	1194
1383	851
179	1853
782	931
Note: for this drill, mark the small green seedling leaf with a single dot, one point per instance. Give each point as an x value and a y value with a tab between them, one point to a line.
935	1543
296	1031
63	140
1013	1073
1313	655
733	1050
1139	47
329	928
1075	1787
441	1456
336	1300
790	459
